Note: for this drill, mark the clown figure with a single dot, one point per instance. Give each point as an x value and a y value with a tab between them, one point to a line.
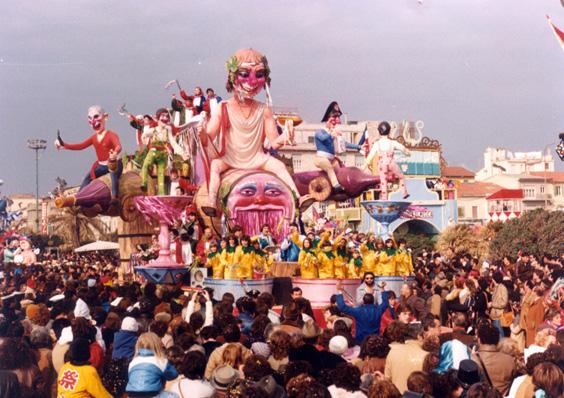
107	145
308	261
387	259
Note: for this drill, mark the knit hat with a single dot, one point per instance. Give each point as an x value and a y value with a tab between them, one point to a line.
163	316
79	351
260	348
338	345
310	329
129	324
91	282
81	309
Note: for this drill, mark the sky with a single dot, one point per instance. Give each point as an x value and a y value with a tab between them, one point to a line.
478	73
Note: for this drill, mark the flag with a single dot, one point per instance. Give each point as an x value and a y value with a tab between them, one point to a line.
363	135
557	32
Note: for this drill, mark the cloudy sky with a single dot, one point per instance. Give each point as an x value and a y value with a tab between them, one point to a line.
477	72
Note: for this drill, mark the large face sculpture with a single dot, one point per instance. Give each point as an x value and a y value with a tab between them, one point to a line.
259	199
97	118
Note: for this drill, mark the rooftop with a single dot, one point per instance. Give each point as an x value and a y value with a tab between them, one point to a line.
506	194
458	171
476	189
554	176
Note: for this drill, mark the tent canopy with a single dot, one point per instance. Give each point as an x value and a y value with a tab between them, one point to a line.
97	246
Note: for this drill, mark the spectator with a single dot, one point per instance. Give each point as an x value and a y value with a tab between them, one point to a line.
192	383
149	368
495	366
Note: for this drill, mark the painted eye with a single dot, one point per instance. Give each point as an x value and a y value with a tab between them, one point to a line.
248	191
243	73
260	74
273	192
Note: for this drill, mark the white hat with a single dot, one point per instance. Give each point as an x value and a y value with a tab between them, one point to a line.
91	282
66	336
81	309
129	324
57	297
116	301
338	345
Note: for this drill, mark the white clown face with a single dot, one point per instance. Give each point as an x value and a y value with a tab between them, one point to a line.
97	118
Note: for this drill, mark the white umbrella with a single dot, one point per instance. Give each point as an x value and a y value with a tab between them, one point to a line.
97	246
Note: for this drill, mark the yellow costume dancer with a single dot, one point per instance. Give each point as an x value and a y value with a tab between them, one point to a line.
326	259
369	258
404	263
262	260
387	259
308	261
355	266
228	261
214	262
245	259
342	257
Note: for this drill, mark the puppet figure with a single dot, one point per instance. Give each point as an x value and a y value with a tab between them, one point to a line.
329	142
387	167
107	146
242	125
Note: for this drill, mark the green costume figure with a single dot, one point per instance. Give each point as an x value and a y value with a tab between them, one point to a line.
160	142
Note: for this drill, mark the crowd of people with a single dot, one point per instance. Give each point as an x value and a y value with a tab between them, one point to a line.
77	327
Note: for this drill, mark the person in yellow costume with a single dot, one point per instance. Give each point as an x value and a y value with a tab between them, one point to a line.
262	260
228	258
308	260
342	256
404	263
368	250
387	259
355	266
214	262
245	258
326	258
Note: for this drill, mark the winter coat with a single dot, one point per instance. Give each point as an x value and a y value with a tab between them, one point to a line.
147	373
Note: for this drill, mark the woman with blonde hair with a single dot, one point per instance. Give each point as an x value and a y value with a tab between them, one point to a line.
233	356
149	368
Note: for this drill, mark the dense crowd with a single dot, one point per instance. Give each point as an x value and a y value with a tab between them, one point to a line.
76	327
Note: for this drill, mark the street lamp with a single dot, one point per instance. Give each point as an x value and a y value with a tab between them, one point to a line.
37	145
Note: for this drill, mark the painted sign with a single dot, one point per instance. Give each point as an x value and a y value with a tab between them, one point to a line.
417	213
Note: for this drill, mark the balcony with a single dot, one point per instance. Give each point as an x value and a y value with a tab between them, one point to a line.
539	197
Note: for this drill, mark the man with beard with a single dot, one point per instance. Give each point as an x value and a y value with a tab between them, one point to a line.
368	286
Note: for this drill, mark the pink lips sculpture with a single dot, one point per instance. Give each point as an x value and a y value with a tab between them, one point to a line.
166	210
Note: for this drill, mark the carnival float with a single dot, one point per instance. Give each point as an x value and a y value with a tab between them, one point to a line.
213	165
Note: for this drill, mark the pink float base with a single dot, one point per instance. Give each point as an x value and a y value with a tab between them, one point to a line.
319	291
166	210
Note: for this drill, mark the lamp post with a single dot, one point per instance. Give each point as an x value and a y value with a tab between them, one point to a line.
37	145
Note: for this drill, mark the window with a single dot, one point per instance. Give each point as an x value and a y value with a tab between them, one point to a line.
311	139
461	212
542	189
558	190
297	162
529	192
474	212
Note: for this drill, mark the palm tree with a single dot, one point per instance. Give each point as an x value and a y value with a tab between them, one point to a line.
74	227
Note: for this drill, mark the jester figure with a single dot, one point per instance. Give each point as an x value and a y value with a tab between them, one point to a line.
387	167
160	143
107	145
242	125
